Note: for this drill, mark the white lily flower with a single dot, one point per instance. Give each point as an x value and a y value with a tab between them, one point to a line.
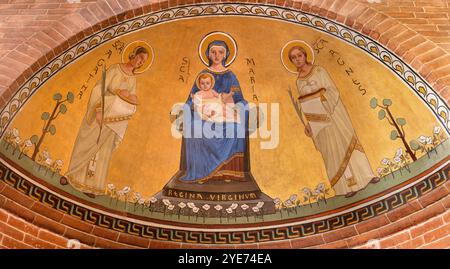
15	132
385	161
191	205
320	187
166	202
293	197
397	159
153	200
181	205
255	209
244	207
126	190
288	203
229	210
28	143
306	191
399	152
429	140
48	161
261	204
195	209
59	163
422	139
141	201
218	207
206	207
277	201
437	129
379	170
233	206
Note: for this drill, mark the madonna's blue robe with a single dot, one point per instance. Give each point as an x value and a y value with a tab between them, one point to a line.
202	156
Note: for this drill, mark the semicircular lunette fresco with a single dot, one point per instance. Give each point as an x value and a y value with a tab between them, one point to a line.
203	121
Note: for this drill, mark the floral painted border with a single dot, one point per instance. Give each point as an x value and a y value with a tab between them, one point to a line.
405	72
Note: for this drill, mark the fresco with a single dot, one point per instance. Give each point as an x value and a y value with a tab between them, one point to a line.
203	120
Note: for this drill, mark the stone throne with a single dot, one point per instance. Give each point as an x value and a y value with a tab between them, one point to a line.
243	196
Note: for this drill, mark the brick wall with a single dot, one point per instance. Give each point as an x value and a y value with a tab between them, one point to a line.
32	32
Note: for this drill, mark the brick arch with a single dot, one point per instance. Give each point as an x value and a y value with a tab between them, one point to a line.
38	225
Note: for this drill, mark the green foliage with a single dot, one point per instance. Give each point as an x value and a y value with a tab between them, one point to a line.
57	97
70	97
401	121
414	144
387	102
373	103
45	116
52	129
34	139
62	108
394	134
381	114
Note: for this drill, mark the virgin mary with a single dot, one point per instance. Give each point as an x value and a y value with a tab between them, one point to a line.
216	168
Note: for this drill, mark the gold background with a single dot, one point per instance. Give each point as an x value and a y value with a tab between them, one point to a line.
149	155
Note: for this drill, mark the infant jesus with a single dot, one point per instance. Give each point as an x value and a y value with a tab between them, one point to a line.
211	105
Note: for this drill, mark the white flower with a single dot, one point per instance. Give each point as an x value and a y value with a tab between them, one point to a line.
141	201
233	206
385	161
48	161
399	152
218	207
320	187
397	159
59	163
28	143
436	130
195	209
137	196
261	204
45	154
288	203
293	197
171	207
379	170
422	139
191	205
277	201
429	140
126	190
182	205
229	210
17	140
166	202
206	207
153	200
255	209
111	187
15	132
244	207
306	191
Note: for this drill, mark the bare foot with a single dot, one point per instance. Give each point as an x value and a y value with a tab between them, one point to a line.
90	195
63	181
350	194
375	180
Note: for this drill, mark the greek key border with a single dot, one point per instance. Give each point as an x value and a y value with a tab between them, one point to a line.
401	69
375	209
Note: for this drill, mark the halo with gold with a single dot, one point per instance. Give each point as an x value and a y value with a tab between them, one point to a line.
220	36
285	54
130	48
